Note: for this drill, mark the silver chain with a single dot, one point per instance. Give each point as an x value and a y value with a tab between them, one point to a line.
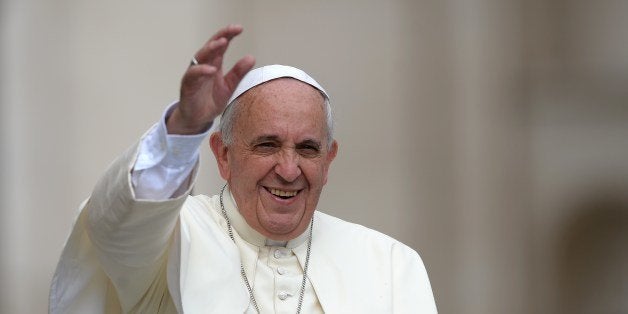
243	273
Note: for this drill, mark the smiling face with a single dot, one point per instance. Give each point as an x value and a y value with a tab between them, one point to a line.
277	165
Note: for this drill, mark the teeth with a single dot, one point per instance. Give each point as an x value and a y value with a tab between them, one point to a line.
283	193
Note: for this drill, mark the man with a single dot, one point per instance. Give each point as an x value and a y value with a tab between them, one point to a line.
142	245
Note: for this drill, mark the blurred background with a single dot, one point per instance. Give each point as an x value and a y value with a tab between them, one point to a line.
489	135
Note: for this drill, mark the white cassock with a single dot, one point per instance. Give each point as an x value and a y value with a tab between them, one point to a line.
167	255
129	255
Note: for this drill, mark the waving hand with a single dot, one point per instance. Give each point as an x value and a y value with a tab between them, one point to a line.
205	87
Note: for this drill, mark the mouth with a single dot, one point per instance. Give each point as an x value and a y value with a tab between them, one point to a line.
283	194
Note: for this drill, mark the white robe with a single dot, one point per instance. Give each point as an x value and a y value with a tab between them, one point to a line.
129	255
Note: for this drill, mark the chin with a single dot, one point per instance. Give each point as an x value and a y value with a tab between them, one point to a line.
286	228
282	225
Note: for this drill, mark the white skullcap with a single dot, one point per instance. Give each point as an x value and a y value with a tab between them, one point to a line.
270	72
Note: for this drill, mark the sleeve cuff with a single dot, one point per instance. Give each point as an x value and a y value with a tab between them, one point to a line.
170	150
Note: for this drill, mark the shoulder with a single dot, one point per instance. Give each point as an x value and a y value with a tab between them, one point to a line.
199	201
391	265
350	230
201	210
351	235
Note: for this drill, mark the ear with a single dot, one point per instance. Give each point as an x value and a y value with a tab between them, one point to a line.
220	152
331	155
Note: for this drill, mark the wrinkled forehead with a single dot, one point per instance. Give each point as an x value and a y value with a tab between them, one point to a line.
281	104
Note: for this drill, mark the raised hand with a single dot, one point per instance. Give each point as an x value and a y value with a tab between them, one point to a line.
205	89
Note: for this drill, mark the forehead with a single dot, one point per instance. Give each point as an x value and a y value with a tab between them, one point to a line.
283	103
282	90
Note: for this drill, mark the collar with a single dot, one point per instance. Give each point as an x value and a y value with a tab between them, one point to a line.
251	235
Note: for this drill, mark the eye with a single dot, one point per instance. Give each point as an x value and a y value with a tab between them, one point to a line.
309	150
266	147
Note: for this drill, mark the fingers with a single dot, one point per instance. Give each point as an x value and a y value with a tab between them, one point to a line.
200	70
237	72
228	32
216	46
194	76
207	77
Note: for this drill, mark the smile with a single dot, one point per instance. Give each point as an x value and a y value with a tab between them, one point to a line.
281	193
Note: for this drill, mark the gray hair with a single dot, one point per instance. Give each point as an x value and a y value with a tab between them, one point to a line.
232	111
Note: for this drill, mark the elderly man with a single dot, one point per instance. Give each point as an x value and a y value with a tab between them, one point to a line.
142	245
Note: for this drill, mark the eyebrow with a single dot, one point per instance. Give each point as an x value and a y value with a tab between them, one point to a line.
275	138
310	142
265	138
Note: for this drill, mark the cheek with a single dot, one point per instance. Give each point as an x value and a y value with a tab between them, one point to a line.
252	168
316	174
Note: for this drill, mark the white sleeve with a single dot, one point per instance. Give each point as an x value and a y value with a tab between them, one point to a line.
165	161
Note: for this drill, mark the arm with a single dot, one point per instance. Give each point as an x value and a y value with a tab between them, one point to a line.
412	292
131	234
165	162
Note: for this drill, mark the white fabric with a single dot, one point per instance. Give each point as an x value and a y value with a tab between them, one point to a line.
141	245
277	280
165	161
275	292
123	255
270	72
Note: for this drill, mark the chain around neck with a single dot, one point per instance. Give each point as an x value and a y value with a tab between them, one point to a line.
243	273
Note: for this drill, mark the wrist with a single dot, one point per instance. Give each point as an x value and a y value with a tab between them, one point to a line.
176	124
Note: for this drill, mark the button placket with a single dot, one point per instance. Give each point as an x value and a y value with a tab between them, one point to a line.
287	279
283	295
281	253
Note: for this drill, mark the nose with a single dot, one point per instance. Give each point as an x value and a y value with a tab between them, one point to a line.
287	166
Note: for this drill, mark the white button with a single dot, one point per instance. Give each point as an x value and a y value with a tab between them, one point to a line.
283	295
280	253
281	271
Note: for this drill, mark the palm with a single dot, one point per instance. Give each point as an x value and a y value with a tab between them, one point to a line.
221	92
207	97
205	89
